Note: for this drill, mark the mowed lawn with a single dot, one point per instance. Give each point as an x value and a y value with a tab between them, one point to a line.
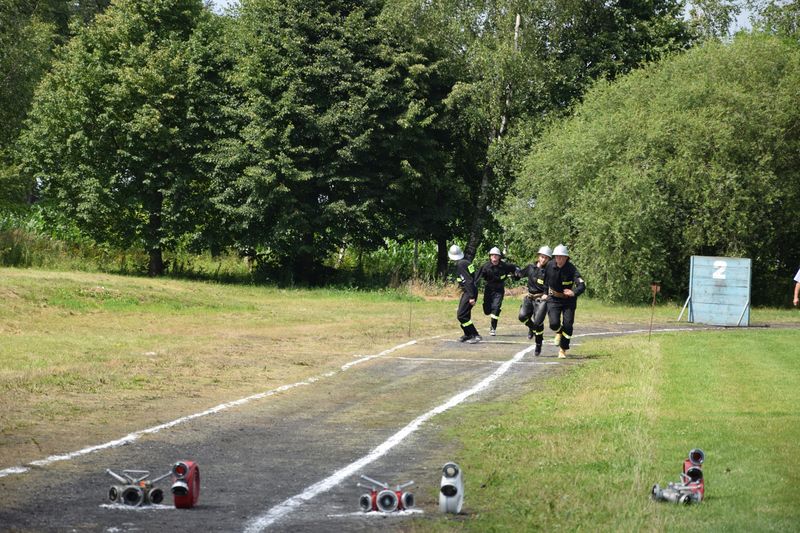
582	452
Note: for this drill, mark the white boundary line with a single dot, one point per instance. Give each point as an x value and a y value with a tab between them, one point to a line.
279	511
131	437
631	332
282	509
477	361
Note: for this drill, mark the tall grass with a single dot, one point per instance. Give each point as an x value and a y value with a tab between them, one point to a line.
27	241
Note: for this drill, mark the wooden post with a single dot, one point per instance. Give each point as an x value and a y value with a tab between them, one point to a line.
655	287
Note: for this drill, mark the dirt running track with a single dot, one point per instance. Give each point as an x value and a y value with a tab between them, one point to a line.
256	456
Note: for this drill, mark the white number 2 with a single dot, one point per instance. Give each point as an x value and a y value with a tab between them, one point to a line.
720	266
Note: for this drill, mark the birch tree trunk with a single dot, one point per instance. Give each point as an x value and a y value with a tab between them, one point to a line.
479	216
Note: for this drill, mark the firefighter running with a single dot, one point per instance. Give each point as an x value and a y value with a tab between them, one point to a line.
495	272
564	285
534	304
465	272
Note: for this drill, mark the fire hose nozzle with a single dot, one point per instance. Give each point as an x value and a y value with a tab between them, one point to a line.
697	457
180	488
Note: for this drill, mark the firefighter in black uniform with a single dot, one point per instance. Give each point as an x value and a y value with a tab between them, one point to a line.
564	285
465	272
534	304
495	272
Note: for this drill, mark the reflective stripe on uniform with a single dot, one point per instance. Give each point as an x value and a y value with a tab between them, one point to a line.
465	324
494	316
566	336
471	269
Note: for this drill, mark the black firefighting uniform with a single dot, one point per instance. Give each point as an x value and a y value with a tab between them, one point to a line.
560	308
465	272
534	304
495	276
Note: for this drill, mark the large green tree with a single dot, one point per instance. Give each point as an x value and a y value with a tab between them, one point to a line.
117	126
520	61
697	155
329	145
29	31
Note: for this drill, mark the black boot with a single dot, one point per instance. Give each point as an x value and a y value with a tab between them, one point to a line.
538	349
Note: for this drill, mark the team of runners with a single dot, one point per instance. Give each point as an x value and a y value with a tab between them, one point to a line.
553	283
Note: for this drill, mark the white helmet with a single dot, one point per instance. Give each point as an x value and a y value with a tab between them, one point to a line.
455	253
545	250
495	251
561	250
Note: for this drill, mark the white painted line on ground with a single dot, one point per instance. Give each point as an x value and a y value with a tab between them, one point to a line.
480	361
281	510
631	332
150	507
131	437
385	352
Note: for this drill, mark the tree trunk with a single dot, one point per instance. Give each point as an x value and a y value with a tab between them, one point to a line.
479	217
441	257
156	266
153	236
304	268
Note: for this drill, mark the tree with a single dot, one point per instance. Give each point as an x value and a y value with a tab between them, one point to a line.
117	125
25	43
429	199
521	61
712	19
29	30
327	136
777	17
696	155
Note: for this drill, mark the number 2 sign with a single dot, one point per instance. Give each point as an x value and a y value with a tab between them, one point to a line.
719	291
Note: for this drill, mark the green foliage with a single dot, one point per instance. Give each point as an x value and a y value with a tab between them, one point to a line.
33	238
117	124
509	78
25	43
777	17
694	156
328	119
29	30
393	263
712	19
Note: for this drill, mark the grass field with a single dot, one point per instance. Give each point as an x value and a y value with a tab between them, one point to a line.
94	356
86	358
582	454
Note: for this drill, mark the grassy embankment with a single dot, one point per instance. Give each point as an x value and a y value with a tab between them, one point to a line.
582	453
